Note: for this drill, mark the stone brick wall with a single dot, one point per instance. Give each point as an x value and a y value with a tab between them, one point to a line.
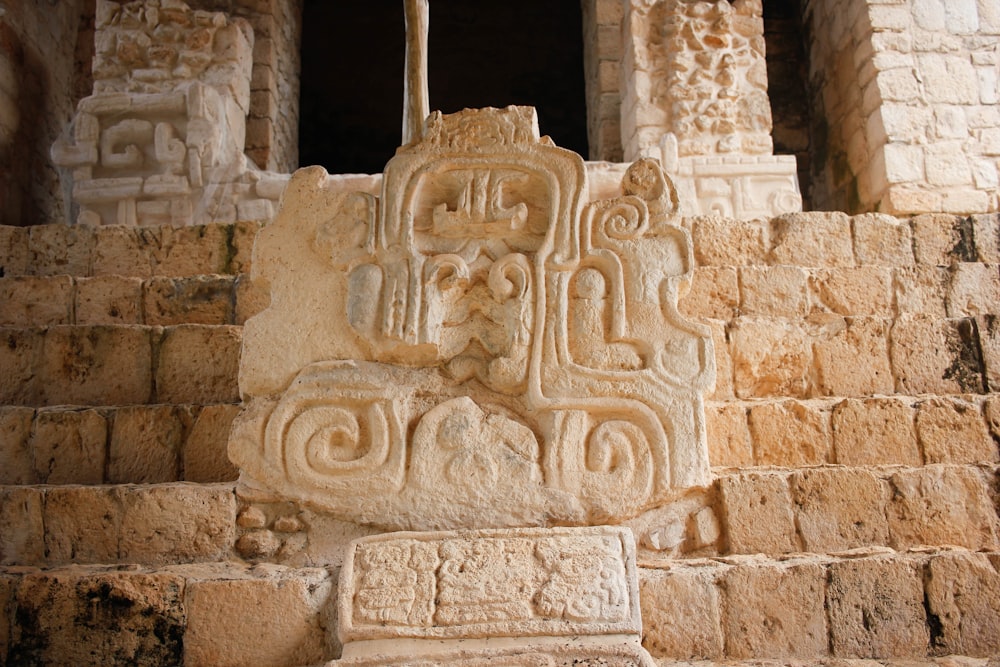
602	53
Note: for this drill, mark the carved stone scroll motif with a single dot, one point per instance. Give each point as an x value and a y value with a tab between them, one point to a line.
558	596
481	345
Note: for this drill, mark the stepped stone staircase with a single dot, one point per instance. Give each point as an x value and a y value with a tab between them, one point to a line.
853	433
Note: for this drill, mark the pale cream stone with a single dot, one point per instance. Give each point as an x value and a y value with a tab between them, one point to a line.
473	339
725	242
714	294
728	436
812	239
852	357
775	611
940	505
935	356
27	301
986	228
963	596
198	363
877	609
921	290
108	299
773	291
938	239
22	537
853	291
723	362
974	289
839	509
758	513
882	240
69	446
192	300
15	453
875	431
952	430
770	358
203	458
790	433
691	594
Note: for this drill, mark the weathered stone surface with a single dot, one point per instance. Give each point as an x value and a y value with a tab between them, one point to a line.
940	505
126	251
882	240
853	291
146	443
758	513
728	436
852	357
812	239
938	240
8	585
82	525
26	301
251	299
109	299
16	463
714	294
21	526
773	291
723	362
284	619
775	612
14	256
952	430
204	455
875	431
769	358
790	433
963	601
193	300
725	242
69	446
60	250
20	355
974	290
921	290
97	619
681	593
935	356
839	509
877	609
198	364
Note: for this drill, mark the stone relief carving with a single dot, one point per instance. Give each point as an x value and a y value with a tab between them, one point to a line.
481	345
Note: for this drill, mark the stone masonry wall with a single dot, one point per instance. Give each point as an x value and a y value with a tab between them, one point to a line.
602	54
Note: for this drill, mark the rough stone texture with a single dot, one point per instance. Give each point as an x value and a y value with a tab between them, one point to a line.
283	623
773	291
839	509
82	525
974	289
728	436
723	242
21	526
28	301
109	300
194	300
875	431
204	458
921	290
20	355
938	240
790	433
852	357
952	430
15	428
758	513
963	600
877	609
769	358
773	612
681	593
940	505
198	363
723	362
69	447
811	239
935	356
853	291
714	294
146	443
882	240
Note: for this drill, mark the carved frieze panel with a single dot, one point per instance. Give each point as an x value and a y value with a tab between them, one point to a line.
482	345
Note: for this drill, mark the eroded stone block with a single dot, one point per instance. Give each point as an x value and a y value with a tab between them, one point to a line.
812	239
681	593
770	358
852	357
790	433
952	430
882	240
853	291
963	598
935	356
16	464
22	540
839	509
27	301
69	446
728	436
82	525
198	364
108	299
194	300
204	456
875	431
145	444
758	511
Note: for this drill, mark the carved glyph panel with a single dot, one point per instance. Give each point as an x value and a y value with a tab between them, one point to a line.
481	346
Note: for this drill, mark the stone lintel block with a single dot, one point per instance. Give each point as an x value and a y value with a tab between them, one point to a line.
190	300
936	356
728	435
108	299
773	291
758	513
775	611
963	599
727	242
877	608
145	444
685	593
770	358
714	294
812	240
940	505
204	458
69	446
790	433
22	537
953	430
853	291
27	301
839	509
61	249
882	240
198	364
16	464
875	431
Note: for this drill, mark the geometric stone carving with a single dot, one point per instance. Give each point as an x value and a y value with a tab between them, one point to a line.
542	596
481	346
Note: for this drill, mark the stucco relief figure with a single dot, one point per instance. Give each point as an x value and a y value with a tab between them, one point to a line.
482	345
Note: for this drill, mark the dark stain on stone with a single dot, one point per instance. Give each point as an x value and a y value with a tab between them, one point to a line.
964	249
966	367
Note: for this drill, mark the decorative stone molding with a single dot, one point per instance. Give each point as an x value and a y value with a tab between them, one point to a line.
482	346
526	596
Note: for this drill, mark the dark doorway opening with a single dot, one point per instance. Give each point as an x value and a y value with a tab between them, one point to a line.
480	54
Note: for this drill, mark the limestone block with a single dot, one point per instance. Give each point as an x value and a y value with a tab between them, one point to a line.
178	523
723	362
192	300
773	291
14	255
60	250
204	456
940	505
27	301
948	79
145	444
852	357
974	289
812	240
986	228
853	291
875	431
125	251
251	299
725	242
192	251
758	513
99	365
714	294
90	619
839	509
775	611
728	436
22	537
877	609
940	239
952	430
790	433
963	597
882	240
921	289
198	364
244	233
691	594
69	446
82	525
935	356
108	299
988	330
283	622
769	358
16	466
20	354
